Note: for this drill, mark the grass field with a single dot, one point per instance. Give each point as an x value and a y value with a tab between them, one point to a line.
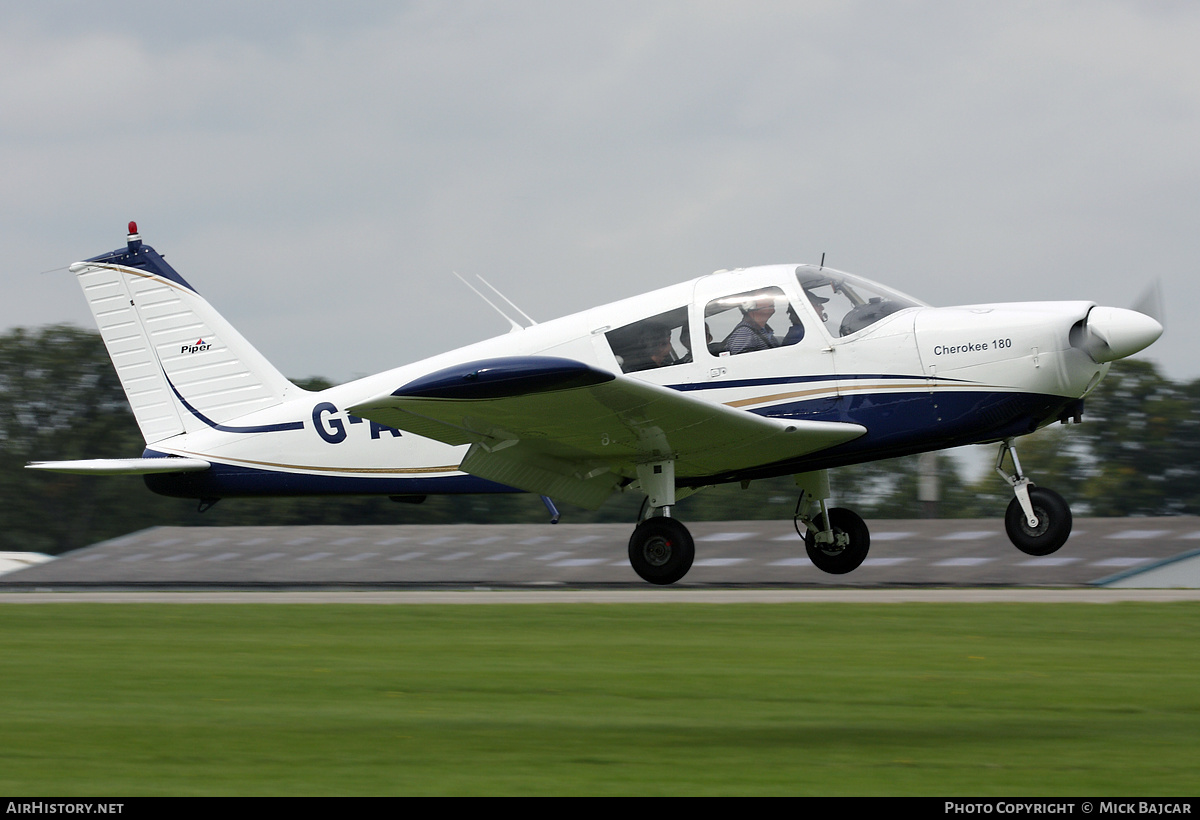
865	699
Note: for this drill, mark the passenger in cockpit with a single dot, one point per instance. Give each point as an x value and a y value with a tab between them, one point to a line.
653	350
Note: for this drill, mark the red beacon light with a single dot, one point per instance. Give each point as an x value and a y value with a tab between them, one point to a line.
134	238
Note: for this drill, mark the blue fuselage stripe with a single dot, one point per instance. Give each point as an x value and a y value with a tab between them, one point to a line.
228	428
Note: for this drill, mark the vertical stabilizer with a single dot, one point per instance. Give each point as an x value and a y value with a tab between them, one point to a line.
183	367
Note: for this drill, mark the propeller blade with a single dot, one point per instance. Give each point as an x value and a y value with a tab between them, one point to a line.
1151	302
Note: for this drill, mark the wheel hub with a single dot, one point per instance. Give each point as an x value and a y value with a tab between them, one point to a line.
657	551
840	542
1043	523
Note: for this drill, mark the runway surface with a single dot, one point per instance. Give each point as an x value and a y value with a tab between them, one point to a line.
646	595
940	553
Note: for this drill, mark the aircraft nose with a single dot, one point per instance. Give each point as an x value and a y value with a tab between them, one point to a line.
1109	333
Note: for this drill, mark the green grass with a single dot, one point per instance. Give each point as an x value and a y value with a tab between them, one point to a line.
927	699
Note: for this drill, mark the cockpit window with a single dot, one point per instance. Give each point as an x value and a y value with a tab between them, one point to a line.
660	341
846	303
760	319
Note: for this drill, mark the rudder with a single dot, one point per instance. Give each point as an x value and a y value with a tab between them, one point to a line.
183	367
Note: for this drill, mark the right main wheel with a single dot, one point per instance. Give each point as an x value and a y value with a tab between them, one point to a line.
832	558
1052	530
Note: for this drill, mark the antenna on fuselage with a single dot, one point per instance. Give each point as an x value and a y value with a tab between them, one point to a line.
511	303
822	260
511	321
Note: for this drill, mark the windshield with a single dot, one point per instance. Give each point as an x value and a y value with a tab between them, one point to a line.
848	303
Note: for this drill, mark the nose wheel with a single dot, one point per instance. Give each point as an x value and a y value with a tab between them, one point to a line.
1038	521
1053	525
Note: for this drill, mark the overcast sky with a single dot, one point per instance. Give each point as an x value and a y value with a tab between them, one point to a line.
318	170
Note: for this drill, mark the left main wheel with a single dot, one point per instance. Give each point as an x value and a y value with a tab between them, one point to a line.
661	550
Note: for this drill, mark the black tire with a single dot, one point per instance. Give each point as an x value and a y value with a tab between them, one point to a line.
1054	523
661	550
839	560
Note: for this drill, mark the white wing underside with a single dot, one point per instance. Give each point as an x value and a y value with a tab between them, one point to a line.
581	444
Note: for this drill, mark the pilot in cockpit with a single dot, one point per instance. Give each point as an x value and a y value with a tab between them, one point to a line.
753	332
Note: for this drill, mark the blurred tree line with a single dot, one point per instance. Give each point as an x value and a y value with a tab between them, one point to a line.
1137	454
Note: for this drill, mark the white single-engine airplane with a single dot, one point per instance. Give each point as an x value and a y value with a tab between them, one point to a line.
735	376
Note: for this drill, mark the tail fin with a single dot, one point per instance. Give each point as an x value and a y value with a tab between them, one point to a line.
183	367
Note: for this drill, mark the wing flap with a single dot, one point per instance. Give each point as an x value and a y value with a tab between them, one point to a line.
527	468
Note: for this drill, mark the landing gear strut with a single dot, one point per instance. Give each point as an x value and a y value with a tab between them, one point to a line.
836	548
1038	521
661	549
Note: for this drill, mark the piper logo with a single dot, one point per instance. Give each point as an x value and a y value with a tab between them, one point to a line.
199	347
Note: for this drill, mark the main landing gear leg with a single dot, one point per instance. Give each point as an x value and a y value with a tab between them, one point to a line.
836	547
1038	521
661	549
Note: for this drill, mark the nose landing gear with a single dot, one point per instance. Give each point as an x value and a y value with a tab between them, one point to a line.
1038	521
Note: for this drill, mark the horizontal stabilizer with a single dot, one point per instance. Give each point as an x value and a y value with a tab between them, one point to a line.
122	466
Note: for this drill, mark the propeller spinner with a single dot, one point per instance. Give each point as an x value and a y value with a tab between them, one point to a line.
1109	333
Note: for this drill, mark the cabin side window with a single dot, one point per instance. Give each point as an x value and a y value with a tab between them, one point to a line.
747	322
659	341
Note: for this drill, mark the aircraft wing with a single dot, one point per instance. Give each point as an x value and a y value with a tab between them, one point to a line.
562	428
